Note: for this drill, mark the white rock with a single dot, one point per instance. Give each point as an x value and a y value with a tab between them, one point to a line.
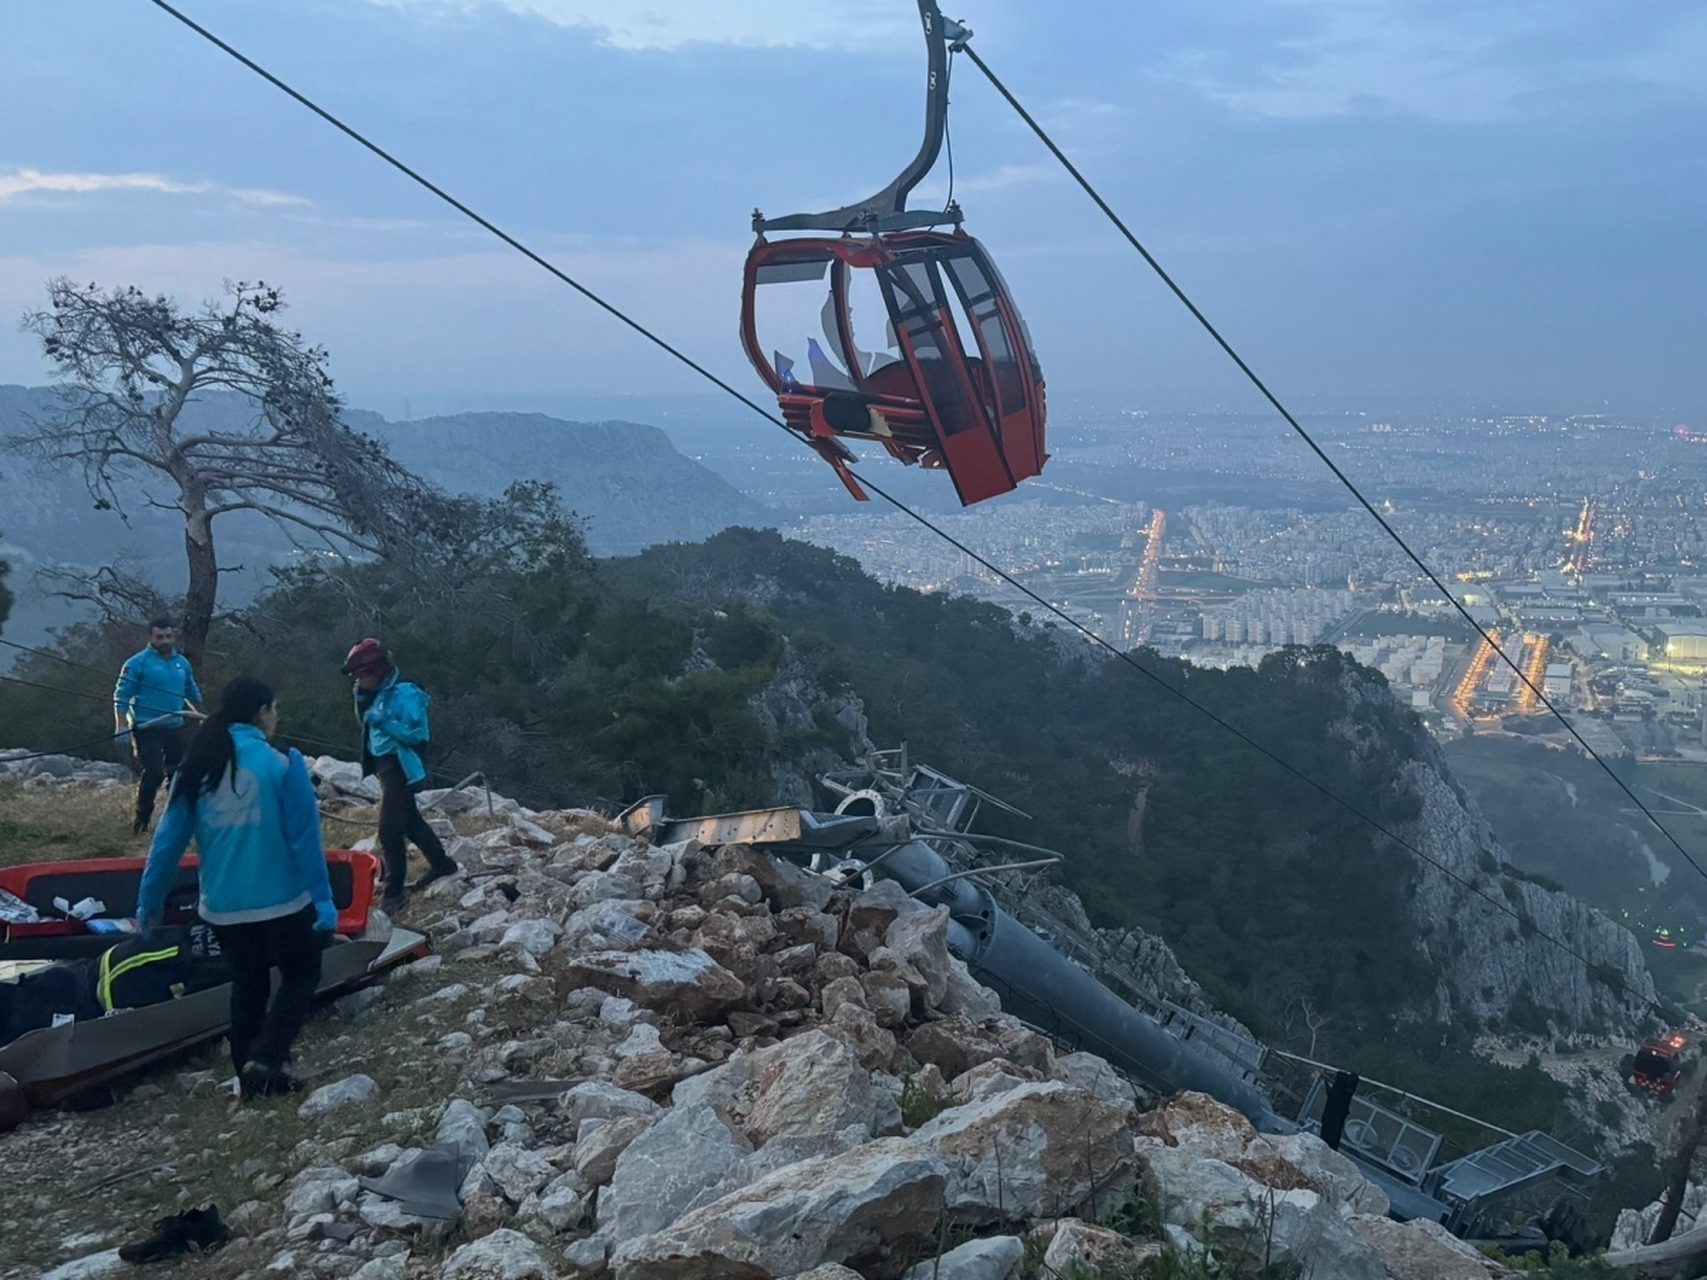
993	1258
1421	1250
516	1172
320	1189
586	1255
621	1015
97	1266
463	1125
394	1267
600	1100
1035	1151
689	983
598	1149
535	937
1095	1076
503	1255
811	1084
661	1171
562	1202
610	924
643	1039
879	1201
350	1091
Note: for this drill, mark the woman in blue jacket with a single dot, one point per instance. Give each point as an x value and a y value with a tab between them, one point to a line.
393	716
263	884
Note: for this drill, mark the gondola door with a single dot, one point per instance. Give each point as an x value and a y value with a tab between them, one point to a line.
924	324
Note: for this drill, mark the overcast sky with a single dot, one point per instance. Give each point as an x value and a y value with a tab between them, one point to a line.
1393	199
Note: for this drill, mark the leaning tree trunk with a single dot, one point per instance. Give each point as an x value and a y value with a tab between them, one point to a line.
203	589
1677	1171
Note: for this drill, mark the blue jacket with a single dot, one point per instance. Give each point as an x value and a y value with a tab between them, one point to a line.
395	723
258	840
154	688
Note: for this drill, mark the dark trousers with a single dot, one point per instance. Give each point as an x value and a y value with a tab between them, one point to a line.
159	751
264	1022
400	822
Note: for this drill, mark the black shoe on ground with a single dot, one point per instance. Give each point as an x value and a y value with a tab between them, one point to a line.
258	1081
139	826
393	905
436	872
191	1230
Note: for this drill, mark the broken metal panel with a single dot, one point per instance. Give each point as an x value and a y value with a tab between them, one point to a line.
1379	1134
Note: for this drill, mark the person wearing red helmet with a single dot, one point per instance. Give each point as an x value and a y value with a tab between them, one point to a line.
393	716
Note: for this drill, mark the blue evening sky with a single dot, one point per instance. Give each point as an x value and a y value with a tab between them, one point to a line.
1391	199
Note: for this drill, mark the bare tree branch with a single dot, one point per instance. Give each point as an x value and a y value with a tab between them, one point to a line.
130	365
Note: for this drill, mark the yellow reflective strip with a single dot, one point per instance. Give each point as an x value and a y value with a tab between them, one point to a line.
110	972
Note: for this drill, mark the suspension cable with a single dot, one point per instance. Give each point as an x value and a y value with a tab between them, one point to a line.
510	240
1320	452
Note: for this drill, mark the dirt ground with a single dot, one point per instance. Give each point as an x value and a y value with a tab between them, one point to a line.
173	1136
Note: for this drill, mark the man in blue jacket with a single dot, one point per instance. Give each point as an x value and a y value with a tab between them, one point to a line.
154	688
393	715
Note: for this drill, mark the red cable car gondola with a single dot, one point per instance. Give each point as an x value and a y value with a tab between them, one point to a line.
1658	1065
921	349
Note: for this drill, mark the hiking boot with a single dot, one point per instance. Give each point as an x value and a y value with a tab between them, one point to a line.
191	1230
393	904
139	826
257	1080
437	871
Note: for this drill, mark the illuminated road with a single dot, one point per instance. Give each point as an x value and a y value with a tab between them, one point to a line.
1581	538
1474	675
1535	671
1135	620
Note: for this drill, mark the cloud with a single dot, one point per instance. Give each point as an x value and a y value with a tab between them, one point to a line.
671	24
471	319
1436	59
15	183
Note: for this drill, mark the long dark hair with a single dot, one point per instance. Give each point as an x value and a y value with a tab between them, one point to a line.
212	754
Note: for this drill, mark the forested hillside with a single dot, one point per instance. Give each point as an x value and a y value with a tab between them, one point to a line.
722	673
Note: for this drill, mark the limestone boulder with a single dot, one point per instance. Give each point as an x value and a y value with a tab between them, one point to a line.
1198	1125
663	1169
688	984
1324	1170
600	1100
503	1255
1422	1250
1252	1221
856	1026
870	1209
917	944
611	924
991	1258
1039	1150
811	1084
784	885
600	1143
1095	1075
1076	1246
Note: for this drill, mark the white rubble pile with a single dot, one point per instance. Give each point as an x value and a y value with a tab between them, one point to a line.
741	1070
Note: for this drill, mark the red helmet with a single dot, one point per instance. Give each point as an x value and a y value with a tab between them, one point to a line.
367	658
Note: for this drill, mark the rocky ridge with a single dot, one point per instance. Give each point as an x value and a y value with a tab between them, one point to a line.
738	1069
1494	969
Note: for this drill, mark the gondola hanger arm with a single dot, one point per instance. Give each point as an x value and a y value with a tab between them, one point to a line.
887	210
